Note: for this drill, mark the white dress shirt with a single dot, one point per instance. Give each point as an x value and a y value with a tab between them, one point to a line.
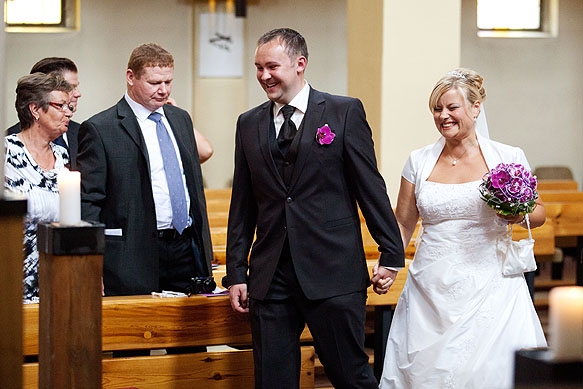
157	175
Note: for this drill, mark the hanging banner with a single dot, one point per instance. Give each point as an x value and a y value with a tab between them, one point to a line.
220	45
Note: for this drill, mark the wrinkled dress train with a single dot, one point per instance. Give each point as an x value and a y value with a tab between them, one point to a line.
459	320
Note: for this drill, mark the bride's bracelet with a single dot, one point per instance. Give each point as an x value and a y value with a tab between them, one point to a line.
522	221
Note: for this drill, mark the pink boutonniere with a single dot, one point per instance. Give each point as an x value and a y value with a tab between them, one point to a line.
324	135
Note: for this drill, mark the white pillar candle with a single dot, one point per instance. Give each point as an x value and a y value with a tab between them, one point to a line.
566	322
69	197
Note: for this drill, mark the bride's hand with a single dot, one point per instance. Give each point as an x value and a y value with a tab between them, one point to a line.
512	219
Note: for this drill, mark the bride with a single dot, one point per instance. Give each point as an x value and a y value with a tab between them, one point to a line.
459	321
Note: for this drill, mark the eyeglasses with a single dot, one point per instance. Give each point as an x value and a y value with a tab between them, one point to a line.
61	106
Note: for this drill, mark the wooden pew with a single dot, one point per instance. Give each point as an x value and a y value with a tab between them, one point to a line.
567	218
217	194
544	239
382	305
551	184
560	196
218	219
146	322
374	299
371	248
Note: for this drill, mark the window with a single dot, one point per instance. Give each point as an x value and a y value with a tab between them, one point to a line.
41	15
517	18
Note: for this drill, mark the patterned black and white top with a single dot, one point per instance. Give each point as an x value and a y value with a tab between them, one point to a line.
24	175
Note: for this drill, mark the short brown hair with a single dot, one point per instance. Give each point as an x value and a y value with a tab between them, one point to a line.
35	89
293	42
149	55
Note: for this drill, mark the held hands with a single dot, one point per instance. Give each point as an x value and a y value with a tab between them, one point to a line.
382	279
239	298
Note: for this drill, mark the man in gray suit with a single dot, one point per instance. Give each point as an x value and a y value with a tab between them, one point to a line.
125	184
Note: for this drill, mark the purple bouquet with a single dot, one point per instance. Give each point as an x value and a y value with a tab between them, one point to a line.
510	189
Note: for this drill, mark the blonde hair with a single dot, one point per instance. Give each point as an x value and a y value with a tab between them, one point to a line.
467	81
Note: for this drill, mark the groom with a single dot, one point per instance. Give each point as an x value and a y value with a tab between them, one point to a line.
303	161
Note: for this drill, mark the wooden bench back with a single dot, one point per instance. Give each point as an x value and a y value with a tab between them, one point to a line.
146	322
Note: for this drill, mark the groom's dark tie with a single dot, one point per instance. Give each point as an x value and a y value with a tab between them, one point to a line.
288	129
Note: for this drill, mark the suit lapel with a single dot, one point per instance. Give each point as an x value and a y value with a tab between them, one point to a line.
186	155
312	120
179	140
130	125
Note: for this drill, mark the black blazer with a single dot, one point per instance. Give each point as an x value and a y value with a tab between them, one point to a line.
116	190
318	211
72	135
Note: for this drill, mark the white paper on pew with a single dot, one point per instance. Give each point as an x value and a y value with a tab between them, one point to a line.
171	294
217	292
168	293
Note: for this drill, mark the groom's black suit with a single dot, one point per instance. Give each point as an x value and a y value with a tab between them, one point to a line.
308	244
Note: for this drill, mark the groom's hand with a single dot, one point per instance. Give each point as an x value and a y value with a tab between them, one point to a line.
382	279
239	298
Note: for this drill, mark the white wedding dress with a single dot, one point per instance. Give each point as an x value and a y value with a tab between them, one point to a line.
459	321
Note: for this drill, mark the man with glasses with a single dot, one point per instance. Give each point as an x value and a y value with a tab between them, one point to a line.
68	70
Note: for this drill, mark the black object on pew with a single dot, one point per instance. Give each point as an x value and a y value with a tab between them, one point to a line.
200	285
536	368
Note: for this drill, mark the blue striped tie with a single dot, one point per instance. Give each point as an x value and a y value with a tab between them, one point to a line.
173	174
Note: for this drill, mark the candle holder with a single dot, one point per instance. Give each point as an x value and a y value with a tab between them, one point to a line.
70	285
537	368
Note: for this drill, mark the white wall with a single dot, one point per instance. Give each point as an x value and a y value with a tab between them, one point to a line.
534	87
109	31
218	102
323	25
418	48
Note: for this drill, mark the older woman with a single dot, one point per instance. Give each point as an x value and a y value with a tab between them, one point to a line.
459	319
33	160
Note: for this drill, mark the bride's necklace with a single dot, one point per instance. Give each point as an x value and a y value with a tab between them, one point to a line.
455	159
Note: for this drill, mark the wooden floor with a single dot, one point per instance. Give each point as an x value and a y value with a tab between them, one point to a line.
543	283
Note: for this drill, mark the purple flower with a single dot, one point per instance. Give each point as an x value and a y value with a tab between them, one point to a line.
324	135
510	189
499	178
